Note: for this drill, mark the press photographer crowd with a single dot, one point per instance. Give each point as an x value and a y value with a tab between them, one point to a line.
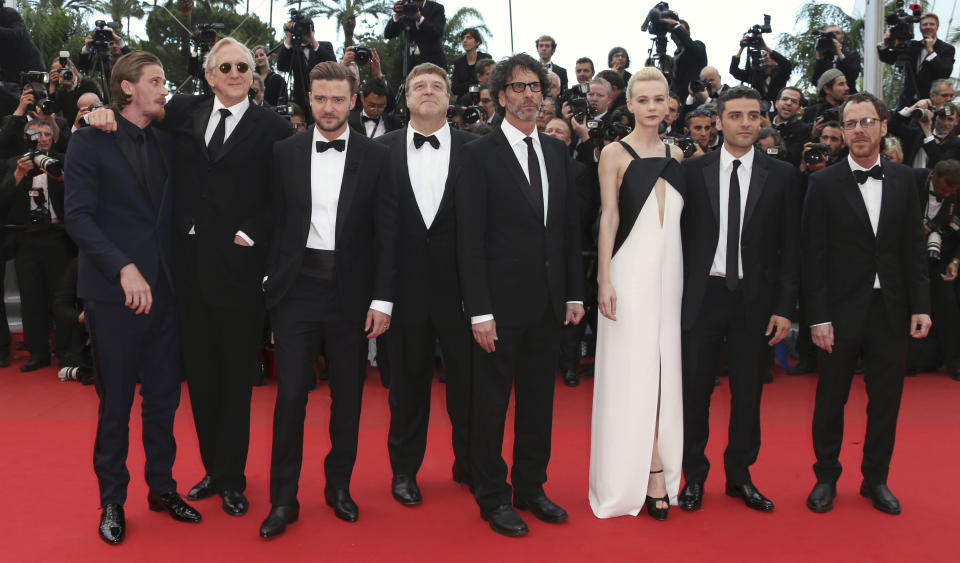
196	237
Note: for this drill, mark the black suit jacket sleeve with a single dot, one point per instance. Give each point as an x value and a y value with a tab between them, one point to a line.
788	278
938	67
850	66
740	74
575	276
386	231
285	59
471	209
913	257
815	237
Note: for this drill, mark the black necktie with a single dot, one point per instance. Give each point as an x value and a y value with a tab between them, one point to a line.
733	230
536	181
419	140
216	142
862	175
337	144
146	165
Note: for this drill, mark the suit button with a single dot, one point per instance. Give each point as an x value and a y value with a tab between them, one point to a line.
203	196
547	263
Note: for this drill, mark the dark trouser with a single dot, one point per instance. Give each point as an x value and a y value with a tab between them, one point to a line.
525	360
884	350
806	350
310	311
221	351
573	334
40	260
946	316
722	319
411	351
128	348
4	326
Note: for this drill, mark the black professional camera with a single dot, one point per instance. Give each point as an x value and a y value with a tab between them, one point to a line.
409	8
831	114
474	114
686	144
901	26
654	22
576	98
754	34
944	111
207	35
699	86
103	33
817	153
40	100
825	43
362	54
302	26
42	161
615	130
776	152
934	241
66	75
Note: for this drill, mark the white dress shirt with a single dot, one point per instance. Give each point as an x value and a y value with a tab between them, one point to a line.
744	173
872	192
373	128
428	169
326	179
39	185
933	206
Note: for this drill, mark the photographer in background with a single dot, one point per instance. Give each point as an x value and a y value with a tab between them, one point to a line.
689	58
87	103
274	85
373	120
618	95
699	125
928	60
32	195
17	51
309	52
927	132
32	106
584	69
832	89
786	120
939	201
773	74
116	48
67	86
830	54
424	21
828	149
465	68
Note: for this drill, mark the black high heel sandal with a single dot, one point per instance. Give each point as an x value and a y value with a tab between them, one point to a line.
652	510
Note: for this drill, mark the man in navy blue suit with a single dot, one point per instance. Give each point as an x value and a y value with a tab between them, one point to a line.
119	209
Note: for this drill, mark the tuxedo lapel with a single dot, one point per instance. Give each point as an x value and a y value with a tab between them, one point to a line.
456	143
351	173
248	124
303	180
851	192
758	179
201	117
888	197
711	179
505	154
556	188
398	146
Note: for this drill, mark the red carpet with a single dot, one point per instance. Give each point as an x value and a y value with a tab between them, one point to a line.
50	508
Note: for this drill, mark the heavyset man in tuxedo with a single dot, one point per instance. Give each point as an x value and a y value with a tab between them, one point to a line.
426	156
518	248
223	223
866	288
331	276
119	211
740	285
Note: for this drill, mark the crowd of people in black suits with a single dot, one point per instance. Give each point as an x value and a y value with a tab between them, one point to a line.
165	231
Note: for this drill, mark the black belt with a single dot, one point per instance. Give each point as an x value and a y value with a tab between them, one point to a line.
318	263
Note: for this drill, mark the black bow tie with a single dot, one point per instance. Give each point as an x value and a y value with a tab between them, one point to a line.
862	175
338	144
419	140
364	119
934	194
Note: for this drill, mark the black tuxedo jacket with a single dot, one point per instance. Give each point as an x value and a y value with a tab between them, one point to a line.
218	197
428	36
15	199
511	265
841	255
112	217
366	230
688	64
390	122
427	280
939	67
769	246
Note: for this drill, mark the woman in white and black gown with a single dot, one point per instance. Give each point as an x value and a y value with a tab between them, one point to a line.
637	432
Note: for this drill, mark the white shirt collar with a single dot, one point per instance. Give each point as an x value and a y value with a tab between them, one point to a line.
515	136
855	166
442	135
726	159
318	137
236	110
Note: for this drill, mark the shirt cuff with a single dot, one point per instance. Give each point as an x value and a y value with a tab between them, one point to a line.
820	324
574	302
690	100
928	139
420	21
931	56
905	112
385	307
480	319
287	44
244	236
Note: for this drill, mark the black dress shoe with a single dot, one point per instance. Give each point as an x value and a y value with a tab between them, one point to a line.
406	491
5	361
751	496
234	503
112	524
504	520
343	506
276	522
883	499
691	497
460	475
821	497
801	368
954	373
202	490
33	364
542	507
174	505
570	378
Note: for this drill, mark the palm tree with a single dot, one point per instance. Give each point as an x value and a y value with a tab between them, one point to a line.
346	12
119	9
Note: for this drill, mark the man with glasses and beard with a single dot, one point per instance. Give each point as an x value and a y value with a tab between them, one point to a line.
331	277
518	249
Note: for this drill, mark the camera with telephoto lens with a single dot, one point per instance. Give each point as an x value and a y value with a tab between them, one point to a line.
362	54
654	22
302	26
946	110
66	75
825	44
934	240
40	99
817	153
686	144
699	85
901	25
474	114
754	39
614	130
409	8
103	33
42	161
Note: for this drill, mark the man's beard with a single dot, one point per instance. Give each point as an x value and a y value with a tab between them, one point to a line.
333	128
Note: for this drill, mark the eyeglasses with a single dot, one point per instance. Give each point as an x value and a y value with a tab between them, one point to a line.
519	87
866	123
242	67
